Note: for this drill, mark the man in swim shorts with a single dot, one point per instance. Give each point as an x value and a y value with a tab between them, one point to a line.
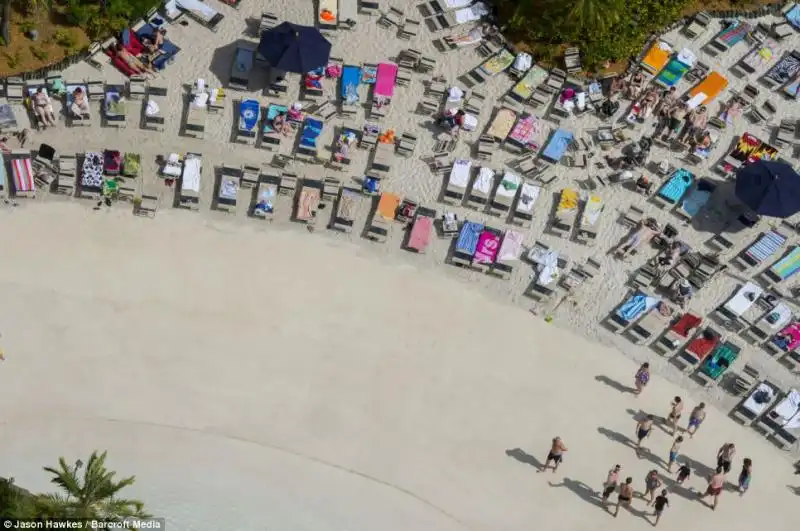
725	457
715	484
611	482
625	495
696	418
643	429
555	455
660	504
673	452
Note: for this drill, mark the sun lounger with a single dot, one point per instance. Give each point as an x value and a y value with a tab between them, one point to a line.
346	207
549	268
674	189
565	214
732	313
523	207
523	90
132	39
227	191
265	196
351	79
501	124
385	210
757	402
677	67
8	120
734	33
759	252
32	86
523	135
557	146
420	234
708	89
694	201
486	250
678	333
407	210
22	182
493	66
382	160
457	181
481	188
328	14
785	268
383	91
201	12
85	118
780	418
630	310
450	19
241	67
153	108
308	201
91	180
651	325
656	57
792	14
189	185
440	6
466	244
784	341
786	133
505	193
307	146
392	18
270	138
698	349
769	324
196	115
15	89
249	117
717	363
783	71
508	254
759	57
588	226
698	25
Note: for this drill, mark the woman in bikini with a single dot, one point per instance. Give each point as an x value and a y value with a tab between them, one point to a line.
651	483
676	408
625	495
642	377
133	63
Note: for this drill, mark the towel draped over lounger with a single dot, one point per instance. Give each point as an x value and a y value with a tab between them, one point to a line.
787	266
249	111
22	171
767	245
678	184
638	304
744	298
558	145
92	170
788	339
467	241
511	248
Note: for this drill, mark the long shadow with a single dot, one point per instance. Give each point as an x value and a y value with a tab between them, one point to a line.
658	421
698	468
523	457
795	490
679	490
582	490
614	384
644	453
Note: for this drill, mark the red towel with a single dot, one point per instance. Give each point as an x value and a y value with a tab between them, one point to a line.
686	324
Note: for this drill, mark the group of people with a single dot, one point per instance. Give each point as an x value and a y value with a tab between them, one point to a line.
143	65
42	106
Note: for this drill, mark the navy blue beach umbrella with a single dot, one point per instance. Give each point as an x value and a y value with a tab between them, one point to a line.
293	48
769	188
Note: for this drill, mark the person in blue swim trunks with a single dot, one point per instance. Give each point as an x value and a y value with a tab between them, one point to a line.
696	418
673	452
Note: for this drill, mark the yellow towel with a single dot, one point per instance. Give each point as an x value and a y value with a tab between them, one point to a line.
569	199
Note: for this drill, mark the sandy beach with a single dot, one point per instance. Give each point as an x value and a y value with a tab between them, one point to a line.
256	374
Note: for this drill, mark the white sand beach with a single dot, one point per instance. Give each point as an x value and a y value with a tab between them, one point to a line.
256	374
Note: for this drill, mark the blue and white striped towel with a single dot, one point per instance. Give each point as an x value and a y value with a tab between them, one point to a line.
766	246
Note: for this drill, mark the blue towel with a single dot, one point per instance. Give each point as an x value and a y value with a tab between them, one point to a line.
351	78
766	246
695	201
272	112
468	237
633	307
249	111
311	132
678	184
558	145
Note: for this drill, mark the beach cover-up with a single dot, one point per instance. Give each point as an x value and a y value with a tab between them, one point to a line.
788	339
785	69
568	201
387	206
502	123
592	210
486	250
385	80
558	145
734	33
249	111
707	90
532	79
272	112
722	358
308	202
509	185
511	248
744	298
496	64
351	78
468	238
311	131
484	181
677	185
787	266
767	245
459	174
658	56
635	306
676	68
524	131
761	55
22	170
420	233
192	168
92	170
686	324
793	16
527	197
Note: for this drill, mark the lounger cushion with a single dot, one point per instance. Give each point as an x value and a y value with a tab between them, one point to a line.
168	49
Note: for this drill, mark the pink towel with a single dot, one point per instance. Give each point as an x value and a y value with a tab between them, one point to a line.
420	233
488	243
23	175
385	80
793	331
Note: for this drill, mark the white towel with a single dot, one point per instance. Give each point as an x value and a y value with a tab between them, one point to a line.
152	108
549	271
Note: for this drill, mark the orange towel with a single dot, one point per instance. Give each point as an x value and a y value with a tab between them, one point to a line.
387	206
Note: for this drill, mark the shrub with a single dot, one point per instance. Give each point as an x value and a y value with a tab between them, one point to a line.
26	26
77	13
12	60
64	39
38	53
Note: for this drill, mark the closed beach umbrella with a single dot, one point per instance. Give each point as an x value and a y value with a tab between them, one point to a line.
293	48
769	188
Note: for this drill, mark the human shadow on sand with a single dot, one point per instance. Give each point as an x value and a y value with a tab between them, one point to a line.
614	384
644	453
698	468
582	490
523	457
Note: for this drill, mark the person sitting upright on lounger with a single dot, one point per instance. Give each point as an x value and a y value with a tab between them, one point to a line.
42	107
645	232
80	103
635	86
683	292
648	104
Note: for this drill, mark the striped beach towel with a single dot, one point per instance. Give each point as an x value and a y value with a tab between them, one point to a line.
468	238
734	33
767	245
678	184
636	306
788	265
23	174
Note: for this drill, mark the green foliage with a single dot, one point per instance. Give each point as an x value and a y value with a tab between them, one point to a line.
99	23
38	53
2	41
64	39
14	501
26	26
12	60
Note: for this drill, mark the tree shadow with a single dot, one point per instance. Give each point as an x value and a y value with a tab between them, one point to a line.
582	490
614	384
523	457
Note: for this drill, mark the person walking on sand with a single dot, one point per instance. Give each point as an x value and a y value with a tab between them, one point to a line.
612	481
625	495
676	408
641	378
555	455
651	483
643	429
696	418
683	474
673	452
660	504
745	475
725	456
715	484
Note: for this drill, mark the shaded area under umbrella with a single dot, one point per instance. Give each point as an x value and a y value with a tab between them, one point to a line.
293	48
769	188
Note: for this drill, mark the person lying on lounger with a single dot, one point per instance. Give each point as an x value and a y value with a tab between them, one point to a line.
645	231
153	43
133	63
80	103
42	107
282	125
635	86
648	103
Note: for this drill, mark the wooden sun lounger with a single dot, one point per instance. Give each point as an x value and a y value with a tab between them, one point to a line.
563	222
266	189
382	160
671	340
158	95
587	233
346	206
288	184
689	360
231	174
196	120
67	167
648	327
698	26
741	413
478	199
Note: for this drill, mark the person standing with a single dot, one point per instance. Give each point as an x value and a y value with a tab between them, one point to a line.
651	483
676	408
673	452
660	504
725	456
715	484
555	455
643	429
642	378
683	474
612	481
745	475
625	495
696	418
